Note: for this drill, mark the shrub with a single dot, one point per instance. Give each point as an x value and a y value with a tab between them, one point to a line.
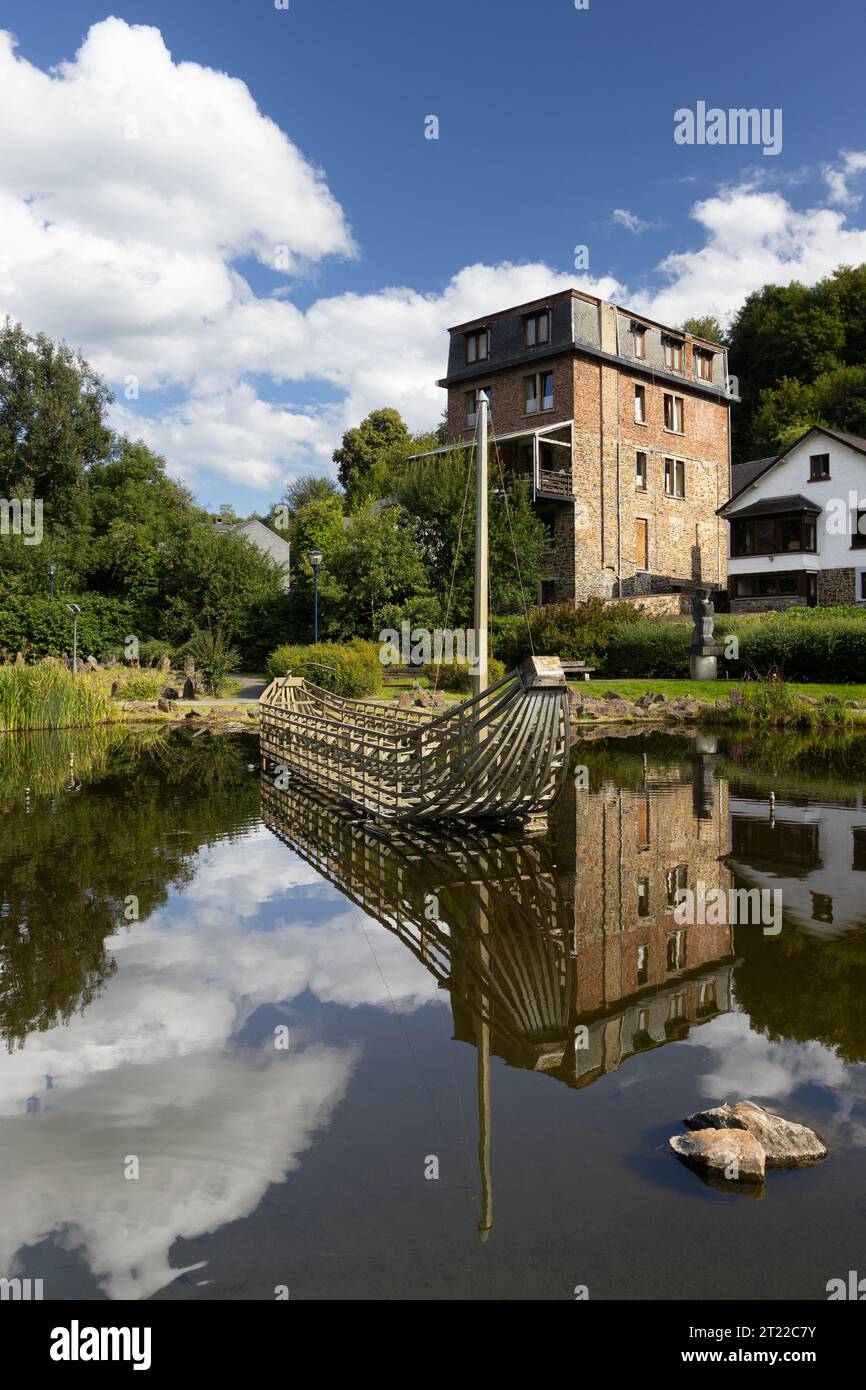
140	685
213	657
45	625
152	650
825	647
457	676
351	669
47	696
648	648
575	632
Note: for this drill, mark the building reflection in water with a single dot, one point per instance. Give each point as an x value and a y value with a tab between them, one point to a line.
560	952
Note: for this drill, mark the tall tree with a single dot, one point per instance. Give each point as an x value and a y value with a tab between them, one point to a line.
380	435
52	418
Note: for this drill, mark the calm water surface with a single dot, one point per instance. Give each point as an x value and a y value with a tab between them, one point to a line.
524	1014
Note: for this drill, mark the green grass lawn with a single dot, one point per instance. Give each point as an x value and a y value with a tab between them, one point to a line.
707	691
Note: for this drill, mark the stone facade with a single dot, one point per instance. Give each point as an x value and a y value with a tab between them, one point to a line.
603	517
836	586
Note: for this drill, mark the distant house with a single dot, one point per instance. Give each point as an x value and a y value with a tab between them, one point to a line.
798	525
265	540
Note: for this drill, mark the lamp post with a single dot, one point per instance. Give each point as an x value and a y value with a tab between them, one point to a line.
74	609
315	560
52	570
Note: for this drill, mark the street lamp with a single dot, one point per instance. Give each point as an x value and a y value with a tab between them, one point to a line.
74	609
316	558
52	570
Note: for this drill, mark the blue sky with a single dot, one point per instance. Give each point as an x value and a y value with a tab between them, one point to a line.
555	129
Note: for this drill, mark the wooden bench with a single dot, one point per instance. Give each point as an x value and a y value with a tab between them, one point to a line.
577	670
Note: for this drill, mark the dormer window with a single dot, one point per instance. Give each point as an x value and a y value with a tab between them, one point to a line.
673	353
703	364
536	329
477	345
638	339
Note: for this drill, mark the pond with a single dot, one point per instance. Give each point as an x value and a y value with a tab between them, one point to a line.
253	1048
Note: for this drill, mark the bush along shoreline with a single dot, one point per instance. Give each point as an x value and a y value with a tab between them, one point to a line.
48	696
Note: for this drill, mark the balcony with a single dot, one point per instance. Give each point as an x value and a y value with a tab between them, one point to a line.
554	482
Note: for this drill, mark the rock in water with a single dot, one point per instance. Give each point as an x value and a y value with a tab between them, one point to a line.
786	1144
734	1154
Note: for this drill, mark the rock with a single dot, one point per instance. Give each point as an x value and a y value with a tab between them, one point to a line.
189	689
165	705
611	695
406	700
165	665
92	664
734	1154
115	686
170	693
253	713
832	700
645	701
786	1144
19	659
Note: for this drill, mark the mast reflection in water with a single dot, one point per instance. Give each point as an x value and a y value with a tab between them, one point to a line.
559	951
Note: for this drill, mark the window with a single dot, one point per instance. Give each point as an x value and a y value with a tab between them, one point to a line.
536	329
548	591
675	879
643	823
704	364
642	964
858	529
819	467
863	586
675	478
641	543
673	353
858	859
674	413
767	585
472	403
640	405
822	908
676	951
538	388
640	472
478	346
643	897
774	535
638	338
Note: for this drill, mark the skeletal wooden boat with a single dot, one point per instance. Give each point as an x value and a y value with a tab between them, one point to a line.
499	756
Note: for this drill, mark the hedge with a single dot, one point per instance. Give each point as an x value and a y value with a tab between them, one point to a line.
41	626
458	676
351	669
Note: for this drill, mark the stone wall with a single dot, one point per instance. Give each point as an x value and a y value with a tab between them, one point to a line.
836	586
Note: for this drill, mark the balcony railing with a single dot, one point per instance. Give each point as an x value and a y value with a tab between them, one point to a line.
557	482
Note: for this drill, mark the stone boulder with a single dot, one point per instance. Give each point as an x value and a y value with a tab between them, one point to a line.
785	1143
189	689
732	1154
169	693
165	705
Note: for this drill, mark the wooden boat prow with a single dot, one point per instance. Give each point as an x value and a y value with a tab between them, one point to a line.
500	756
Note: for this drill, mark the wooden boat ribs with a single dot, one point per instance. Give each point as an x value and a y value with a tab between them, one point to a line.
499	756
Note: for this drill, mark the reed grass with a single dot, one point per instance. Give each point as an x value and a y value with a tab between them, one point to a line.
47	696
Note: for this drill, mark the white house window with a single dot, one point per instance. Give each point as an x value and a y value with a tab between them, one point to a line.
819	467
675	478
640	472
674	413
638	338
640	405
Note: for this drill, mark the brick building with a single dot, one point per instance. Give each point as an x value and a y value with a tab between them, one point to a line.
622	426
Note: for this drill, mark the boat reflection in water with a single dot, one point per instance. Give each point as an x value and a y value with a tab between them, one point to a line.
560	952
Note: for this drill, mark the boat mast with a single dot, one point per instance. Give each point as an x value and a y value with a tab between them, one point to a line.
479	675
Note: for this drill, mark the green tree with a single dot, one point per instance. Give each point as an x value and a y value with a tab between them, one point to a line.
52	419
379	566
381	435
705	326
309	488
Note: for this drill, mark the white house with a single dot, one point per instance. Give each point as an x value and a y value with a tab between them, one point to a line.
264	539
798	525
